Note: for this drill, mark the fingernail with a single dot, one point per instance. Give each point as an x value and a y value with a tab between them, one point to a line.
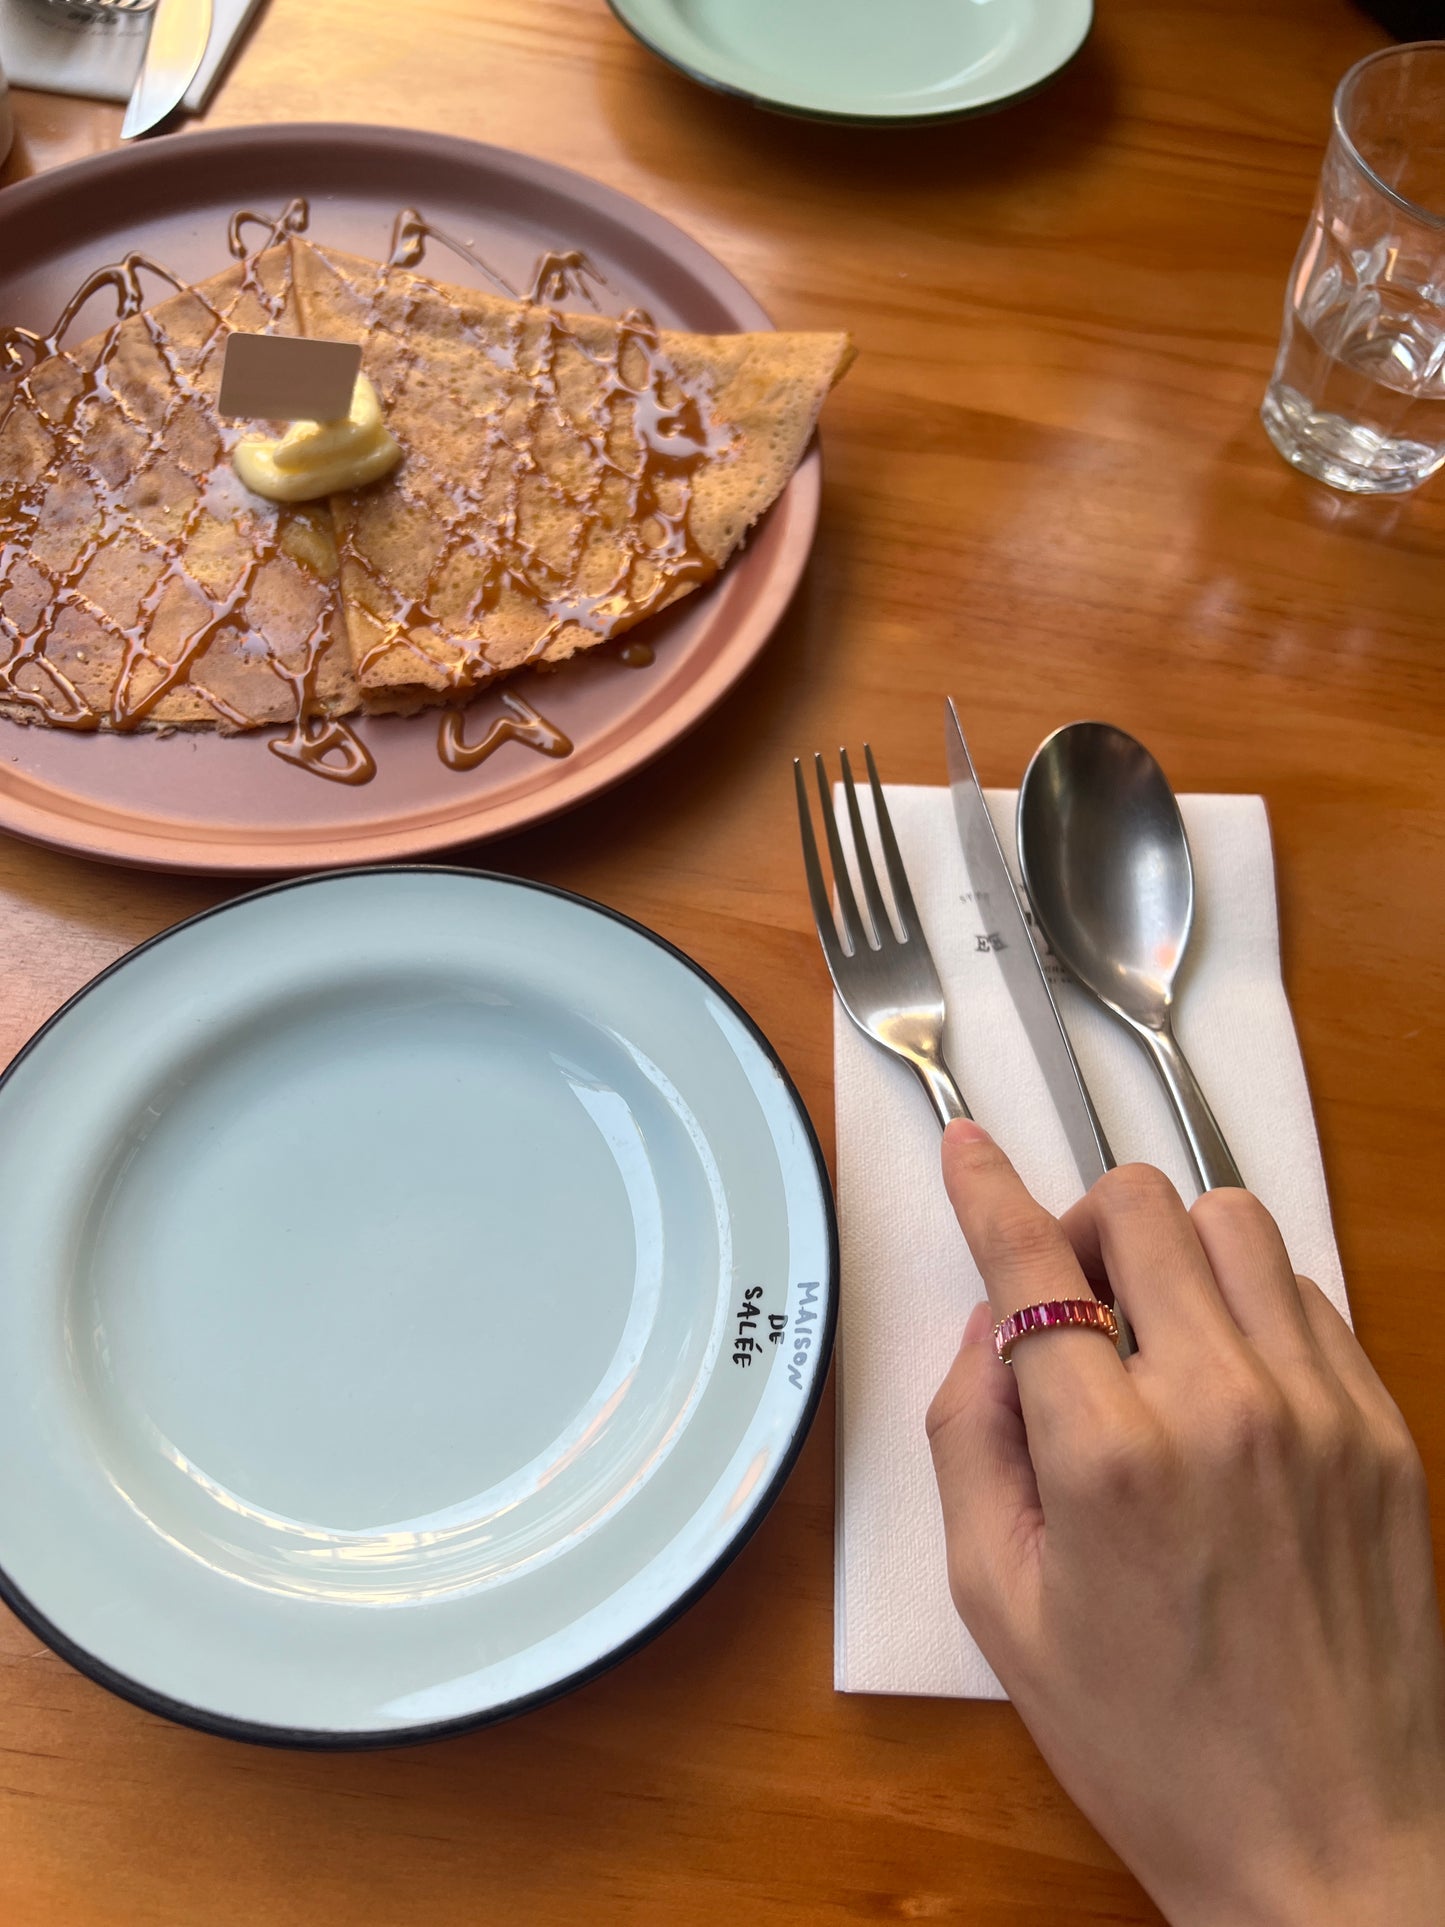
963	1130
980	1324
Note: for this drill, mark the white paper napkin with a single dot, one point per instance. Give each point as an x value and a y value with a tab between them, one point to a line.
59	52
908	1282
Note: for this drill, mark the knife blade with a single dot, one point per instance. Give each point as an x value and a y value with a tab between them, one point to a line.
1012	944
176	46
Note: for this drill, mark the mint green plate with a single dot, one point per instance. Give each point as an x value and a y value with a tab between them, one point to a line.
886	61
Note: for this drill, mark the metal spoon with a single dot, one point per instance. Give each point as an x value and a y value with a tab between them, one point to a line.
1106	865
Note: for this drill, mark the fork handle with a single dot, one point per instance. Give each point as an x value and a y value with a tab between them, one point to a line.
943	1093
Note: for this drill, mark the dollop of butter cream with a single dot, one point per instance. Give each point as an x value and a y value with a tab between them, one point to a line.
320	458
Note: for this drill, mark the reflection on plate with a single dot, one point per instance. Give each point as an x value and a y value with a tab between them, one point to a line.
205	802
419	1284
859	60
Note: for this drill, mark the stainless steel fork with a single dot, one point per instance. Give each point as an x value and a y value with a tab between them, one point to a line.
885	977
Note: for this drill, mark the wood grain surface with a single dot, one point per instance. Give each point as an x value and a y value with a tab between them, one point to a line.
1048	493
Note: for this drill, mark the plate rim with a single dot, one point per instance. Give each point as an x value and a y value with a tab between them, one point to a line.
337	1740
839	117
106	838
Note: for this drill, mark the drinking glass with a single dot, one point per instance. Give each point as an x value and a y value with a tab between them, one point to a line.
1358	392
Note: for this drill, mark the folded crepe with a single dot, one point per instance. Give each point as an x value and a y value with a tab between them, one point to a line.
140	584
564	475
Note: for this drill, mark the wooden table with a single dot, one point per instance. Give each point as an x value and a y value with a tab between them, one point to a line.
1047	491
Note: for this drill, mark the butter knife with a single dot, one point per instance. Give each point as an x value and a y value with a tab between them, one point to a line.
1012	944
176	46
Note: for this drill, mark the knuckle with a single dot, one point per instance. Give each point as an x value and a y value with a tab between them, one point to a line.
1248	1421
1402	1468
1328	1429
1134	1190
982	1606
971	1594
942	1410
1363	1450
1229	1206
1122	1465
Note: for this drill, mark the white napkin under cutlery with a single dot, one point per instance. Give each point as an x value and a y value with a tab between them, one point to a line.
908	1282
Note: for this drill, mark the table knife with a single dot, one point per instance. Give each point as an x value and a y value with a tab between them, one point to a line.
1012	943
180	33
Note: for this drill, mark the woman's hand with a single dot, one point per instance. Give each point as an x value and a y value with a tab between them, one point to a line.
1203	1576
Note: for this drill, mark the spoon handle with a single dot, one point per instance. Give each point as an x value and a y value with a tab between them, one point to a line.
1213	1163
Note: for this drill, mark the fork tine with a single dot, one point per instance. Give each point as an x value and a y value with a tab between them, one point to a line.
853	928
878	917
817	888
892	857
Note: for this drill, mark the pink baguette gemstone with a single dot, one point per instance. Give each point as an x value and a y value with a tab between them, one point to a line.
1053	1311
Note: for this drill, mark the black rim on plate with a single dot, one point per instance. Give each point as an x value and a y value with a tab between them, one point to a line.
770	104
329	1740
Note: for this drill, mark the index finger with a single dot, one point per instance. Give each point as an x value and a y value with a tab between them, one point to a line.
1024	1258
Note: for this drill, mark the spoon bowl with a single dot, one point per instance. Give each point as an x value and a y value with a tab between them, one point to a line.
1106	863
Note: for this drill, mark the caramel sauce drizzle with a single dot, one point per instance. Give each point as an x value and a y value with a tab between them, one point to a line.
313	740
522	725
670	420
409	235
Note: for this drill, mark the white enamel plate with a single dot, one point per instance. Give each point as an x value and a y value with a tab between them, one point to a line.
416	1286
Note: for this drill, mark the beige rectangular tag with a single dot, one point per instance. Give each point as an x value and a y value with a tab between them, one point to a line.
287	378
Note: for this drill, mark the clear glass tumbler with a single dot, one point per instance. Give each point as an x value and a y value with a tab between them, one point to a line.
1358	393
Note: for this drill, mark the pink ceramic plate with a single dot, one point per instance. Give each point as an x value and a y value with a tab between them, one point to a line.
206	802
